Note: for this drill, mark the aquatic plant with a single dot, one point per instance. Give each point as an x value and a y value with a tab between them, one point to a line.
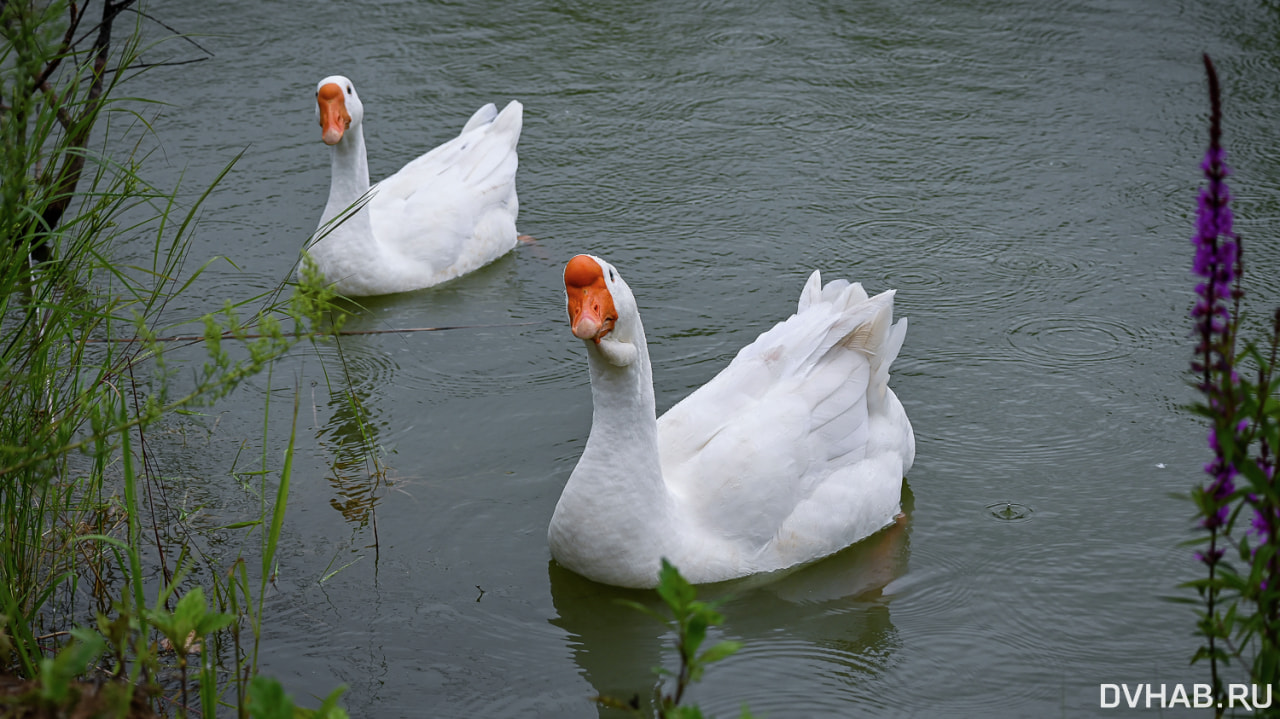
1238	506
690	620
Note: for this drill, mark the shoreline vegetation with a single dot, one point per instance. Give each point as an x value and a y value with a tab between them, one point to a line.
100	613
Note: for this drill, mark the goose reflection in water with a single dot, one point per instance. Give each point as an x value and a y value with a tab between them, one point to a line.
356	469
834	611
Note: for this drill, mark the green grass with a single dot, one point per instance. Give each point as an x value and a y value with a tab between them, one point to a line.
85	377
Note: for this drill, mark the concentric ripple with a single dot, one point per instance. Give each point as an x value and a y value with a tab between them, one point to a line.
745	39
366	366
1066	341
1009	512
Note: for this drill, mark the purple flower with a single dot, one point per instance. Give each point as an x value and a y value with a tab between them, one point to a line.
1211	557
1262	523
1217	253
1217	263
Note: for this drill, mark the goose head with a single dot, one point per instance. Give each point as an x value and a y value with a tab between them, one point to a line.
338	107
602	310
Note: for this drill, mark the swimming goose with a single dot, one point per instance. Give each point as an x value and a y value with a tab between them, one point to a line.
443	214
794	451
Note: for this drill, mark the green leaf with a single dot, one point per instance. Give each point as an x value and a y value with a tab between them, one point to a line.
694	632
693	618
674	589
720	651
191	607
267	699
213	622
71	661
241	525
644	610
330	709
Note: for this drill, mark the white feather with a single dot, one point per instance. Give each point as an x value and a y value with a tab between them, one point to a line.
794	451
446	213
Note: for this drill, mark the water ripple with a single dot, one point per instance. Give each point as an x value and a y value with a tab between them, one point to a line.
744	39
1022	435
908	235
921	57
970	271
889	204
843	667
1009	512
1065	341
1024	261
475	371
939	589
365	364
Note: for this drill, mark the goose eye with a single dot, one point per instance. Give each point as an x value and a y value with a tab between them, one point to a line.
612	276
348	89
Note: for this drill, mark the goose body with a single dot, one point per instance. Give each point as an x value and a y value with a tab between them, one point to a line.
794	451
443	214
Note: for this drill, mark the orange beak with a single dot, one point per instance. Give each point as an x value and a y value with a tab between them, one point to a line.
334	119
591	311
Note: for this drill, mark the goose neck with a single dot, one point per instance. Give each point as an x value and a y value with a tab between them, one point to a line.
623	445
349	172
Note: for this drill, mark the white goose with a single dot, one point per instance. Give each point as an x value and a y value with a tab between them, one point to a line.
446	213
794	451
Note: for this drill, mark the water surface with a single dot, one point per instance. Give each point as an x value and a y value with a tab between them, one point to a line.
1022	173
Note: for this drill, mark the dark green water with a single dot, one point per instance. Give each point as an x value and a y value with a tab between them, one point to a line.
1023	173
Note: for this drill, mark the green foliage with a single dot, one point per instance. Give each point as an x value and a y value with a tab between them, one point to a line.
690	619
189	622
267	700
314	299
74	659
85	375
1238	507
1243	619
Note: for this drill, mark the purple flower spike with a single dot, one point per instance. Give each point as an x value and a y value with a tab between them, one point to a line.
1217	265
1236	510
1217	248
